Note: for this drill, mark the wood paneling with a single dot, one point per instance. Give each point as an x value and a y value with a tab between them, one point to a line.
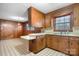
36	18
10	29
74	9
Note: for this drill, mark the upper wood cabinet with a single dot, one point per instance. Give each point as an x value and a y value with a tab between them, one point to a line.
0	29
47	21
76	15
36	18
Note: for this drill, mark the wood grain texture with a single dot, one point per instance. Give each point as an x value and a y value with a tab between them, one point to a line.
10	29
37	44
36	18
74	9
0	29
76	15
66	44
74	46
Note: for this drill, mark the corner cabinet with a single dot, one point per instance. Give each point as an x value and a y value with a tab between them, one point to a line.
37	44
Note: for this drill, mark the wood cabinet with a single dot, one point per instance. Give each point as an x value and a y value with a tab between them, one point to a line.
36	18
63	44
74	46
48	21
54	42
49	41
0	29
37	45
76	15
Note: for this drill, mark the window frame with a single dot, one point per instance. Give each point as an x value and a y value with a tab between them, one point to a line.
71	23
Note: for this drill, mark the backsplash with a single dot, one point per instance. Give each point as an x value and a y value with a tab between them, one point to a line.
75	31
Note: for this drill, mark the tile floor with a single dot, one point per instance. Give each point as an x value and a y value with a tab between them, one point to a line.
8	48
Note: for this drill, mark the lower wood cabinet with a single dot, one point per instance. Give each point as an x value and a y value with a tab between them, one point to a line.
37	44
66	44
54	42
63	44
49	41
74	46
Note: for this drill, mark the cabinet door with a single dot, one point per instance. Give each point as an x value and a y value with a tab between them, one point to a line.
49	41
74	46
54	42
32	45
40	44
37	45
63	44
76	15
0	29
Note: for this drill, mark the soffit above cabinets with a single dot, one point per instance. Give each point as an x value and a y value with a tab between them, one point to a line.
18	11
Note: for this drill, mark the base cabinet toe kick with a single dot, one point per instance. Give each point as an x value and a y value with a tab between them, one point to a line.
65	44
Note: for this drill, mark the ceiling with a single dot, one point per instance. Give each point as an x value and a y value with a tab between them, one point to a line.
18	11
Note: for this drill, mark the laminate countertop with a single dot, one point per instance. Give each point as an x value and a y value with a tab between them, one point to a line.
34	35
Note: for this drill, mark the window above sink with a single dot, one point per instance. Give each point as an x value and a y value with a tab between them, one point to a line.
63	23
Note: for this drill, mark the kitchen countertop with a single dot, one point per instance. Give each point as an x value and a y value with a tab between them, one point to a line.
33	35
